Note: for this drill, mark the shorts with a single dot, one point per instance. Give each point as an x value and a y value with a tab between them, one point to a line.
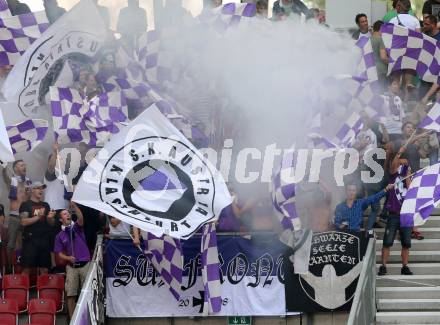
35	253
393	224
14	229
75	278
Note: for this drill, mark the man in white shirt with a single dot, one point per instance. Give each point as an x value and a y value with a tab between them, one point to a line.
364	28
403	18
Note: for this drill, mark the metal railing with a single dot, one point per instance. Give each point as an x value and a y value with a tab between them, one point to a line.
363	309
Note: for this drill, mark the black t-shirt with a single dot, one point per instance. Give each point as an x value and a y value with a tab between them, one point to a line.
41	228
92	225
431	7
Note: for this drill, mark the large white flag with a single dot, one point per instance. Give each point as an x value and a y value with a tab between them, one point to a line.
152	177
78	33
6	154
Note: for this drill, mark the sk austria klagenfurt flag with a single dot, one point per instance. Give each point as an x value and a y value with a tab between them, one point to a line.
150	176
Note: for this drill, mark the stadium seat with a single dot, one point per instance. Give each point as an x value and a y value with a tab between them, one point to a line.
8	312
42	311
16	286
51	286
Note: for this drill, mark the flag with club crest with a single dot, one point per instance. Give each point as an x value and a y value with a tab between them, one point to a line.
162	184
210	270
79	33
17	33
93	122
27	135
166	255
6	154
432	119
422	197
408	49
283	193
4	9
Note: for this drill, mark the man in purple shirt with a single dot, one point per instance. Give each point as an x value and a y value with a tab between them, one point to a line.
71	246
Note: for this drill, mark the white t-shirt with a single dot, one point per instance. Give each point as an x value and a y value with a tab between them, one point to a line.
369	137
122	230
367	34
54	194
394	113
409	21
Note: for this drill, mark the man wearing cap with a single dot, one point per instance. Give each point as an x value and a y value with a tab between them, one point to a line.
36	217
71	246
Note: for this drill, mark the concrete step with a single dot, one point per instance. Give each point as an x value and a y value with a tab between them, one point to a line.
410	317
407	280
428	233
408	293
408	304
416	268
416	245
414	256
433	221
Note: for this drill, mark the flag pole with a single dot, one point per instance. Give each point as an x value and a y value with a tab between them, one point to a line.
129	233
410	138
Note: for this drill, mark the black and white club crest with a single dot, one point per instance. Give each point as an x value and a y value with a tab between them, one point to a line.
161	181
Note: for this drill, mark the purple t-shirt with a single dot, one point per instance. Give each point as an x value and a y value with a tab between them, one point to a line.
80	249
227	220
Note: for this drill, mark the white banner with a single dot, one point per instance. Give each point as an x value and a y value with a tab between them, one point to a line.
251	275
150	176
6	154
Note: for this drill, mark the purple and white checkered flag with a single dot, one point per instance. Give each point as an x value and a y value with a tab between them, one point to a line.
283	193
17	33
318	140
27	135
358	94
75	120
159	63
367	67
166	256
432	119
141	95
106	112
422	197
344	137
210	270
349	130
4	9
228	15
408	49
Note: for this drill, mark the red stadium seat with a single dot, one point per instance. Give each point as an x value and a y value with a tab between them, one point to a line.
16	286
42	311
8	312
51	286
